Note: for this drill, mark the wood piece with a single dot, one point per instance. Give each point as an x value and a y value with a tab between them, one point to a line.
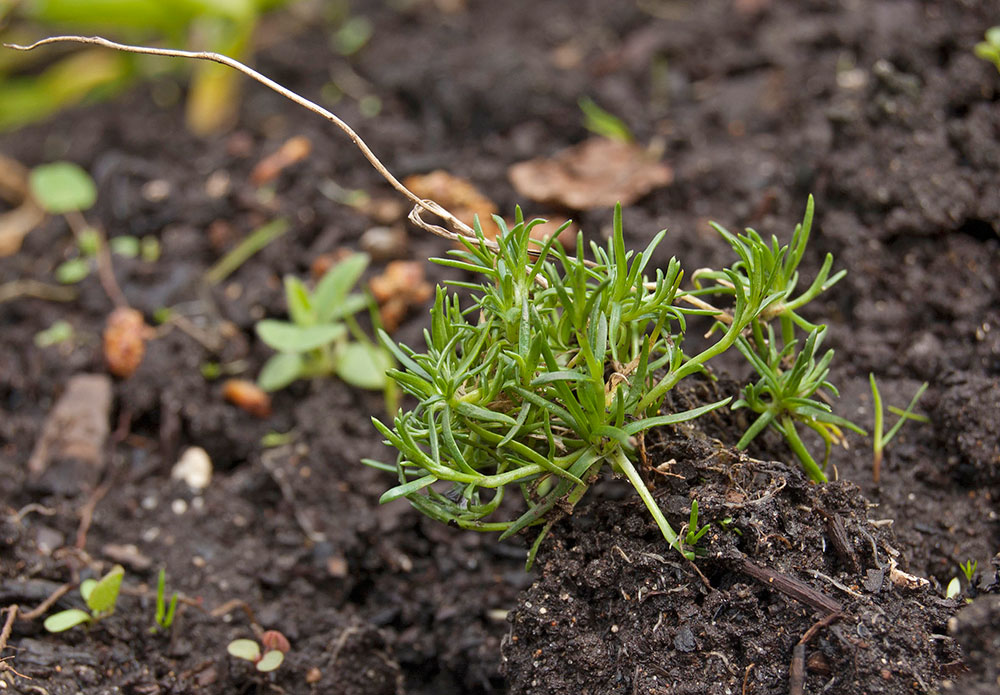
791	587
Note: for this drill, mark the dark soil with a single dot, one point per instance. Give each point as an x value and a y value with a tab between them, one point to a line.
877	108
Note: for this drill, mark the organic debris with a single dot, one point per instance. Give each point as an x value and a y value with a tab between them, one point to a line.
399	288
248	396
597	173
125	336
293	151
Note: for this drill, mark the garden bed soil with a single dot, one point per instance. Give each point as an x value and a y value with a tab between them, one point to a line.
879	109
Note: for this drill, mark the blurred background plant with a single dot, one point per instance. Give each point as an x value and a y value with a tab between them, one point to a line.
33	87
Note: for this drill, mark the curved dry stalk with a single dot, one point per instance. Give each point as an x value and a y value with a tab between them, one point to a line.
462	229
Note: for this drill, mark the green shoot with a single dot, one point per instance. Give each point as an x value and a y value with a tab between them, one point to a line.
879	439
164	617
100	597
969	568
694	533
603	123
62	187
792	371
258	239
318	341
266	656
989	49
548	377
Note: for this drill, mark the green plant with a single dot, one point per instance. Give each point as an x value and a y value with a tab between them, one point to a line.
266	656
792	373
601	122
969	568
693	533
164	616
564	364
990	48
879	439
316	342
100	597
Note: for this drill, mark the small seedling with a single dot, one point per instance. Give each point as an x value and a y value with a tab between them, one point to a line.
100	597
990	48
164	617
316	342
58	333
604	123
266	656
879	439
969	569
694	534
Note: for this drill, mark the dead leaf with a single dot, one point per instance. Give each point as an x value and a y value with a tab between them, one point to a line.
464	200
596	173
125	335
399	288
248	396
70	451
293	151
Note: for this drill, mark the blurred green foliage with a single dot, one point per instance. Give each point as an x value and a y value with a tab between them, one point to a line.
31	89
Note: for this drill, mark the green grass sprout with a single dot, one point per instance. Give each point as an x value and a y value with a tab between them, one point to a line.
880	439
989	49
165	611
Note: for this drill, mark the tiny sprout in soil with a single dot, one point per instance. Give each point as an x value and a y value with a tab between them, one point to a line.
164	617
990	48
100	597
317	340
880	440
266	656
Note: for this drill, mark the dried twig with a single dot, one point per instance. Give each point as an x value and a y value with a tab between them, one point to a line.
462	229
4	636
45	605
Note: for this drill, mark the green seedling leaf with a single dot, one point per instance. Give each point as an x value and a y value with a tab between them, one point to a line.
125	245
270	661
953	590
244	649
333	288
88	241
62	187
603	123
59	332
352	35
300	306
279	371
149	249
87	588
64	620
73	271
104	594
288	337
363	366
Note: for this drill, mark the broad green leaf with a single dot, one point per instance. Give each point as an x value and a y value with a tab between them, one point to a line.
333	288
62	187
105	593
287	337
87	587
300	306
279	371
363	366
270	661
64	620
244	649
73	271
125	245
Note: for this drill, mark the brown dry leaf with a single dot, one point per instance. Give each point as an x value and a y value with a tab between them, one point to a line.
400	287
464	200
293	151
248	396
596	173
16	224
125	335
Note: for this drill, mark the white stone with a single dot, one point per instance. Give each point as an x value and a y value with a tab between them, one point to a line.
194	467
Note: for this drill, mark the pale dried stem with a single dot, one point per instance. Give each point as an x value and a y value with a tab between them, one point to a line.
420	204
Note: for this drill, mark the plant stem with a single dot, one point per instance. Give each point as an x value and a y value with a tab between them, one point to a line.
814	472
622	461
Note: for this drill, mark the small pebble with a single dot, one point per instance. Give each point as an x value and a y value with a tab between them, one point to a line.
179	506
194	467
